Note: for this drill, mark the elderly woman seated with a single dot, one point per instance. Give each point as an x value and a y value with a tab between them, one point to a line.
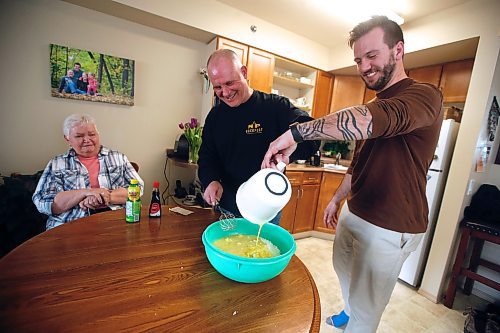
88	178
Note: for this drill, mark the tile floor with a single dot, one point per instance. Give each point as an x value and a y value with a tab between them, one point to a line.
407	311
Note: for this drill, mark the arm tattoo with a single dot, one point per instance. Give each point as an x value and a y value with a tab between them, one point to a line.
352	123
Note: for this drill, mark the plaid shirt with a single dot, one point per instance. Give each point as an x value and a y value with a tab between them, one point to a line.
65	172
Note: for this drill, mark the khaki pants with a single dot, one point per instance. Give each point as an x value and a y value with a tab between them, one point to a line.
367	260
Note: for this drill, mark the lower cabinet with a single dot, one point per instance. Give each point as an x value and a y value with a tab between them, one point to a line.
329	184
311	193
299	213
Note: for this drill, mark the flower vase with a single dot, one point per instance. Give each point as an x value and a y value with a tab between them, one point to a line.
193	153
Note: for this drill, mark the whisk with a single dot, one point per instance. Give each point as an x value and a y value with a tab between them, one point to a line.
227	220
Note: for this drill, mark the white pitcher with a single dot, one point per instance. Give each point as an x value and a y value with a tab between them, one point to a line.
264	194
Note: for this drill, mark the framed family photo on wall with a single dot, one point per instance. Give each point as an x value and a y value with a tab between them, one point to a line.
91	76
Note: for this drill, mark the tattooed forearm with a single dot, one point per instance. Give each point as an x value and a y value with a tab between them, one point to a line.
353	123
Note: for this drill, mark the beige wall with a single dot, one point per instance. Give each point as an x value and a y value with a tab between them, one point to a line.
167	86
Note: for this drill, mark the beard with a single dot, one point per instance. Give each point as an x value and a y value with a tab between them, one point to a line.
387	73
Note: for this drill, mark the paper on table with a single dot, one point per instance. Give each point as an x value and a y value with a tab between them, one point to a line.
180	210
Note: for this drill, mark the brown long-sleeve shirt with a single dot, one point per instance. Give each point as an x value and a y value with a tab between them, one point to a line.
389	170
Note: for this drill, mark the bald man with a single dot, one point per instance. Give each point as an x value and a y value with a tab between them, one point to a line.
239	129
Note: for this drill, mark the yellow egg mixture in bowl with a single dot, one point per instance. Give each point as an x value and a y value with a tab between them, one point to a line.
235	254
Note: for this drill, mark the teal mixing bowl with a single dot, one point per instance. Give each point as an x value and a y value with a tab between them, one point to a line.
249	270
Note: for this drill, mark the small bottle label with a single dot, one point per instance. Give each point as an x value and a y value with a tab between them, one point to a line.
134	193
133	211
155	209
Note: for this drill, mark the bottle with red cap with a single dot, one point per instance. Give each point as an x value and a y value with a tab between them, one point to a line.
155	206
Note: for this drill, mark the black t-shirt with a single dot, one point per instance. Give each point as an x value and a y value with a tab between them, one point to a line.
235	141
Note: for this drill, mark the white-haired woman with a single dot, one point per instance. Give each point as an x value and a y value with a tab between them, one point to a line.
88	178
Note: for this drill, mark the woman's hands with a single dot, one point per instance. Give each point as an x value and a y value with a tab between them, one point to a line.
88	198
96	198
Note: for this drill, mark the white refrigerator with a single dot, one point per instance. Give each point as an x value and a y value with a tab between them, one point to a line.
413	268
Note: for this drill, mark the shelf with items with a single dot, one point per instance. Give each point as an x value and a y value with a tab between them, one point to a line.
180	162
295	81
292	82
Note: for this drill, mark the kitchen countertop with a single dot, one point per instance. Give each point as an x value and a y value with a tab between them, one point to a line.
307	167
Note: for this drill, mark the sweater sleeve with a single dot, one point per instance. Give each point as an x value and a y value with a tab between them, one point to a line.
416	107
208	163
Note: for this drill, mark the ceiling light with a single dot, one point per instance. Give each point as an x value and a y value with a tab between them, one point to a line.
356	11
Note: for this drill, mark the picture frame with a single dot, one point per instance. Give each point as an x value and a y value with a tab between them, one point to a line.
91	76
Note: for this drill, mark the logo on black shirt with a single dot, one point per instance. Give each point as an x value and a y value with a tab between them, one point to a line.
254	128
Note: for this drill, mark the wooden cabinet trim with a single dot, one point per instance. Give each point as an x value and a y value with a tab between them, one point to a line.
322	94
329	184
427	74
455	80
295	177
307	202
312	177
347	91
369	95
260	69
238	48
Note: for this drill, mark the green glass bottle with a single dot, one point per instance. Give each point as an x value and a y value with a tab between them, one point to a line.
133	205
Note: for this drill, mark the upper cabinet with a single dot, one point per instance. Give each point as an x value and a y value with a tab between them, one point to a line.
260	64
452	79
455	80
322	94
260	70
347	91
428	74
240	49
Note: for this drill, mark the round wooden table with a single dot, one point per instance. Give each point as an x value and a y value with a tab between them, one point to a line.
101	274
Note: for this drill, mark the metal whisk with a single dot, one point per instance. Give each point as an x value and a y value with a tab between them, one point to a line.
227	220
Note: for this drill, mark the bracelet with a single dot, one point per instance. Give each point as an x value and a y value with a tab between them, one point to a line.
297	137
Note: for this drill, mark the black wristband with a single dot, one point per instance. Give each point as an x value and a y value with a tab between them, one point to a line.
297	137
